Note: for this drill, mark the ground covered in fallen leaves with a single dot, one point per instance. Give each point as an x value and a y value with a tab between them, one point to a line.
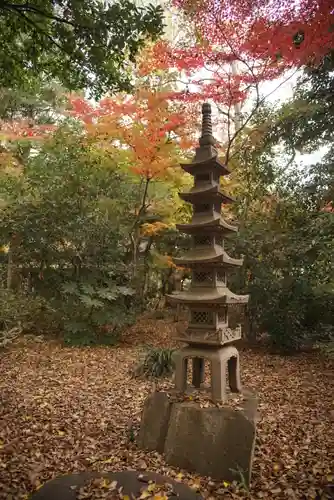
72	409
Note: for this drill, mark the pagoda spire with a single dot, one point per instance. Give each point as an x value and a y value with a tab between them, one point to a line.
206	150
207	138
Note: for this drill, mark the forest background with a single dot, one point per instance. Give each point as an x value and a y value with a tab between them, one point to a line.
98	107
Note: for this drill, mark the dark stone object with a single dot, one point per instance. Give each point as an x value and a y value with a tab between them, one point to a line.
156	413
215	442
67	487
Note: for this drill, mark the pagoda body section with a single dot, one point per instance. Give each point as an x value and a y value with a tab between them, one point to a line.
208	334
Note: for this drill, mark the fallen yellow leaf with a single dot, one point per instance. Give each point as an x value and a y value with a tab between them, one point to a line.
195	486
61	433
226	484
113	485
105	483
145	494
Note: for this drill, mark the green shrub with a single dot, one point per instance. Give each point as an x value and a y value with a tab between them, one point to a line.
21	313
156	362
296	315
95	312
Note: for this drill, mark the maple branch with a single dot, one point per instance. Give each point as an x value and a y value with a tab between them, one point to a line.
253	112
21	8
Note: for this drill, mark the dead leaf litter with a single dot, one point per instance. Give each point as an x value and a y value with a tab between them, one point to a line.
67	410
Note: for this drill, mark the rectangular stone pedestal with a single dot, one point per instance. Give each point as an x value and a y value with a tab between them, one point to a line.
216	442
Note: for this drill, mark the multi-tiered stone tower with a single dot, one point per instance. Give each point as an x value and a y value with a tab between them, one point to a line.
208	334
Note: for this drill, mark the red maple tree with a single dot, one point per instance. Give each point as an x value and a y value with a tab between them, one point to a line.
239	44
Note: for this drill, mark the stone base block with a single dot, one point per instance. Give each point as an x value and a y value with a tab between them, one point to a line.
155	422
216	442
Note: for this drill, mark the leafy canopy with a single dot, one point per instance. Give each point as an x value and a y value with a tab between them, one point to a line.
83	43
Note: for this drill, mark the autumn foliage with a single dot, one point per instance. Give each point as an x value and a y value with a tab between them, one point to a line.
144	126
264	38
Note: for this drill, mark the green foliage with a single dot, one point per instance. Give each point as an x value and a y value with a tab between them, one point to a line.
82	43
285	236
72	243
95	313
156	362
327	347
41	102
18	310
289	273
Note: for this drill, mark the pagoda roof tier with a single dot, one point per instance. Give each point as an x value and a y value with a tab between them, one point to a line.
206	295
206	222
202	255
211	164
206	192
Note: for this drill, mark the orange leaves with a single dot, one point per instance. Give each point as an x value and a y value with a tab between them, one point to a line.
143	126
154	228
166	261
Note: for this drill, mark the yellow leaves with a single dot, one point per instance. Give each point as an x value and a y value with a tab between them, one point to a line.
145	494
166	261
154	228
9	165
156	491
61	433
105	483
196	485
226	484
153	491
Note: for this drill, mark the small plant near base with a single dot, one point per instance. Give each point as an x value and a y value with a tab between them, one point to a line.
156	363
242	482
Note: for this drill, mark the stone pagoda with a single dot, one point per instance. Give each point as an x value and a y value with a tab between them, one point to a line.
208	335
212	441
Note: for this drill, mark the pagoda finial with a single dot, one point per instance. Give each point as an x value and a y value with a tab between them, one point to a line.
206	137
